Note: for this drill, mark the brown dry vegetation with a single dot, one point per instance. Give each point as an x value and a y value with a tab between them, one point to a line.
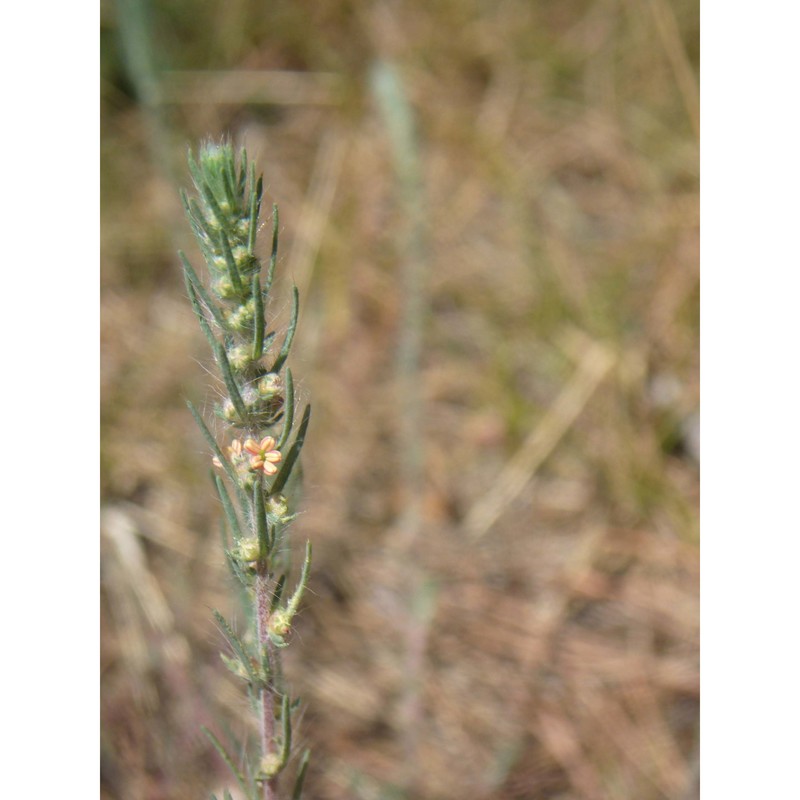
536	634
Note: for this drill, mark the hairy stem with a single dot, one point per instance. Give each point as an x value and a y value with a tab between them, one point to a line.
259	405
263	601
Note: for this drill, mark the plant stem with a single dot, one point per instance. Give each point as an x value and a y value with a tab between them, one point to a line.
398	114
263	600
257	403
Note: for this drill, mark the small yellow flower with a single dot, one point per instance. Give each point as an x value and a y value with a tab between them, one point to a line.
264	455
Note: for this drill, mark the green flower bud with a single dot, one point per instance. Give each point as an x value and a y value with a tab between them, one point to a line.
228	411
243	227
270	766
218	262
247	549
241	317
240	357
214	157
223	288
278	508
244	260
280	623
252	399
270	386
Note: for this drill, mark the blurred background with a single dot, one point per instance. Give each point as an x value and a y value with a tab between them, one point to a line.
491	211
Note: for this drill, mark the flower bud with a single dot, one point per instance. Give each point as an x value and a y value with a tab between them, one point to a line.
277	507
270	765
241	317
243	258
218	262
243	227
270	386
248	549
280	622
251	398
240	357
228	411
223	287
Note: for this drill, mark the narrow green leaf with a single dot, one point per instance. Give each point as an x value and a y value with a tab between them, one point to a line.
286	730
258	318
242	172
185	203
255	788
288	411
233	270
212	442
262	526
238	648
192	276
228	182
223	533
294	603
287	342
237	571
259	184
294	454
230	383
255	206
273	260
297	792
209	437
229	761
277	594
198	312
194	169
227	507
213	205
201	226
